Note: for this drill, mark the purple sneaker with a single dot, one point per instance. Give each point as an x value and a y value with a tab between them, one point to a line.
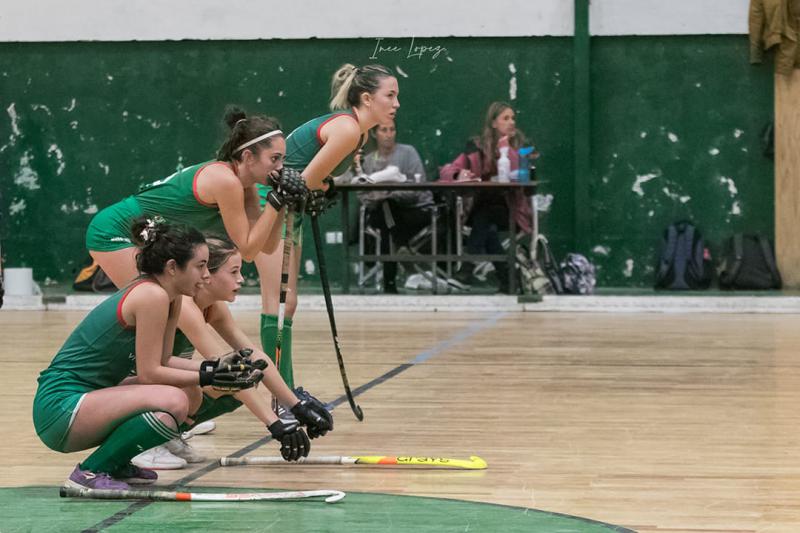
84	479
134	475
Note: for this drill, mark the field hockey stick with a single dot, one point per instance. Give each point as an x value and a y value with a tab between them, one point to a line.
473	463
287	253
326	291
331	496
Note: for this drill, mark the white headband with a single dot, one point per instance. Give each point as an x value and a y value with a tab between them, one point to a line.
259	139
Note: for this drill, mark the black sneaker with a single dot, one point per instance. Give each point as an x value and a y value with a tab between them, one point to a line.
463	277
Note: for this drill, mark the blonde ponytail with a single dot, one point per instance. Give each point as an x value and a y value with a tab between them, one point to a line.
340	86
350	82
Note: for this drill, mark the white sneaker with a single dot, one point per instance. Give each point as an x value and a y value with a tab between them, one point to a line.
159	458
183	451
200	429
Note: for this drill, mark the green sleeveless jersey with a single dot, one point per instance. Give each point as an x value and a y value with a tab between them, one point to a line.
175	198
304	143
98	354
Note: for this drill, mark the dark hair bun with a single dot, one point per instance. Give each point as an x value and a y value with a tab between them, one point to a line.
233	114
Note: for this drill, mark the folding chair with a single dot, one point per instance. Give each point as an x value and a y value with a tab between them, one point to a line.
375	272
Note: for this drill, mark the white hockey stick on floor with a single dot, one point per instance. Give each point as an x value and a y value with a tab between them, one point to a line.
331	496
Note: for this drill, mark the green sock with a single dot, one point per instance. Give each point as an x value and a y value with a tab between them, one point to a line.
214	407
269	335
132	437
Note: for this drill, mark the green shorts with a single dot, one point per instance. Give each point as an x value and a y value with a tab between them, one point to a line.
110	229
53	414
297	227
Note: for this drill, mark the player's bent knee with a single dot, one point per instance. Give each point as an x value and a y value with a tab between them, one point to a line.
176	402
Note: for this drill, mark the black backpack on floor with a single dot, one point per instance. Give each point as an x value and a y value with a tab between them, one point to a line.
684	262
749	263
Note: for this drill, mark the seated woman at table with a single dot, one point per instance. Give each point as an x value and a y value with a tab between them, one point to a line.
399	213
487	211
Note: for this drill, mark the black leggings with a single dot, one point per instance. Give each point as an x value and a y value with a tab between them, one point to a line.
408	221
487	220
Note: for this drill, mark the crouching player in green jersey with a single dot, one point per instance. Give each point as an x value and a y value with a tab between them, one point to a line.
206	313
82	401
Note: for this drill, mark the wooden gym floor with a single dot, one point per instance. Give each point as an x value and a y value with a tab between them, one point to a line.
652	422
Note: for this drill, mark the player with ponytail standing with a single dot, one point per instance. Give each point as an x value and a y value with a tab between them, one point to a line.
321	149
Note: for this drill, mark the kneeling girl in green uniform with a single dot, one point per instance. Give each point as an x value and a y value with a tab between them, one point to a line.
207	310
81	401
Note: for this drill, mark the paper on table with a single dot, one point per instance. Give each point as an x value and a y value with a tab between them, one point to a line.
390	174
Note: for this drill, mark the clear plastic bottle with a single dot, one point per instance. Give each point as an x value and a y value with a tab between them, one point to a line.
504	166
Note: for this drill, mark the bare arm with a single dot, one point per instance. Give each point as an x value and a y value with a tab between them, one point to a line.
148	308
340	137
275	236
193	325
226	191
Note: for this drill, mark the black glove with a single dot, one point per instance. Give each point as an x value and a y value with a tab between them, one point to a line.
236	357
294	443
242	357
288	189
319	200
229	377
311	413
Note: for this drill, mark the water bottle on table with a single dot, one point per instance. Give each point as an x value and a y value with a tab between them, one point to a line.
525	164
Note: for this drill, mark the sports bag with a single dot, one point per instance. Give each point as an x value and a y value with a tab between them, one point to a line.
748	262
684	261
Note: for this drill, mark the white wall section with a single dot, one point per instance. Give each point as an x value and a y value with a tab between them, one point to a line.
160	20
676	17
123	20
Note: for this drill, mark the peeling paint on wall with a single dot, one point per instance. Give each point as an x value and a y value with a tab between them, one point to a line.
26	177
512	83
628	270
17	206
54	149
601	250
37	107
644	178
12	113
731	185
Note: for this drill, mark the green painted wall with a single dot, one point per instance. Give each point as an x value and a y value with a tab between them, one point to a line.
83	124
689	110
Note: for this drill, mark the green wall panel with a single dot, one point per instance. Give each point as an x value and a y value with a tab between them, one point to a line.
682	116
83	124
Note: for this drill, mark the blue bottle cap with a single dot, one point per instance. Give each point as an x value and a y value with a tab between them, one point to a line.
526	150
